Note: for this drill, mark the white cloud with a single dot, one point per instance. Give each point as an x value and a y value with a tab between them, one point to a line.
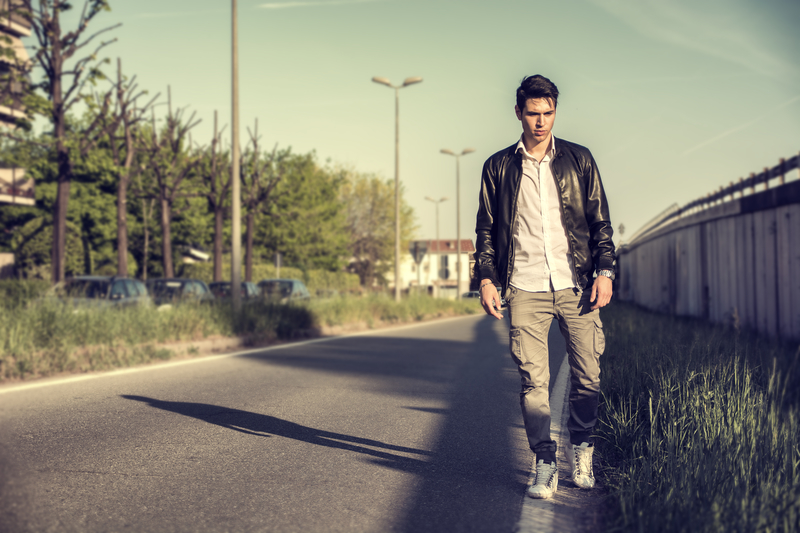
714	33
313	3
741	127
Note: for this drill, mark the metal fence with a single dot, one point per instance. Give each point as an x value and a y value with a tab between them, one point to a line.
732	256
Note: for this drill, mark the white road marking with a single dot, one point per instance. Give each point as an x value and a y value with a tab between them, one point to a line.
540	515
50	382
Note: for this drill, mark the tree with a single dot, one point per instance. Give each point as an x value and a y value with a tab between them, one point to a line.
147	207
369	207
216	177
261	172
91	211
63	86
171	161
32	248
305	222
20	155
120	126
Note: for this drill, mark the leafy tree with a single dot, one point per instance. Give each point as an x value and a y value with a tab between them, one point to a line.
370	207
32	248
306	220
92	189
20	155
261	172
120	125
170	161
216	176
63	85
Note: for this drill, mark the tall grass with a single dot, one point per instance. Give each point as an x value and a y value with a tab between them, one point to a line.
15	293
699	427
381	308
45	337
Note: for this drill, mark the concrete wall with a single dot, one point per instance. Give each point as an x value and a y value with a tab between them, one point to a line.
735	263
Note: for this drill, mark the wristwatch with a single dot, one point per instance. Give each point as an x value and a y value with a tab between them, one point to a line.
607	273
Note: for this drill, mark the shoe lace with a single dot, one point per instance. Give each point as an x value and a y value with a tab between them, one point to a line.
544	473
583	461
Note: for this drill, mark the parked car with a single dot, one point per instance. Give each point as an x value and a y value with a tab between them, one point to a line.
283	290
101	291
178	290
222	289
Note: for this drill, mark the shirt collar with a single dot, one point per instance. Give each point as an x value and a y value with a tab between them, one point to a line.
521	148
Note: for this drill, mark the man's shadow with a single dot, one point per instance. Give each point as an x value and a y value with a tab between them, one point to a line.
268	426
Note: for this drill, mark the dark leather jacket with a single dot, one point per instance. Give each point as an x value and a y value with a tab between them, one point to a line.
584	210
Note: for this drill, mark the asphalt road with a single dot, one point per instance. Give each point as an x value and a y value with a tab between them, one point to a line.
413	429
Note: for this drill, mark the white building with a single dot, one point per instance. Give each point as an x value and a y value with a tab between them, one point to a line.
437	272
15	187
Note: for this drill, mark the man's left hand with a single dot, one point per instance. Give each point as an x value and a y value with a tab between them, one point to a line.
601	292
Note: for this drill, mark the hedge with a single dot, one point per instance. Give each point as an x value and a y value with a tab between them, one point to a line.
319	282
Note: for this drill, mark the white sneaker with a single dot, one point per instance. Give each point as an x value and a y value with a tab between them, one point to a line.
580	460
545	483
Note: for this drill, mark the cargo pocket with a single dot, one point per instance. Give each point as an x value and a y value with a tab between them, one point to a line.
515	343
599	336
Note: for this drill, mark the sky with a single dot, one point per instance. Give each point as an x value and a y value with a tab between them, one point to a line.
674	98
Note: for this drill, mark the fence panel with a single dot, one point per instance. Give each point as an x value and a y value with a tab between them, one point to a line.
737	263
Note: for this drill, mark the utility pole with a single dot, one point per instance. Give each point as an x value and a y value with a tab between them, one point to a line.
236	205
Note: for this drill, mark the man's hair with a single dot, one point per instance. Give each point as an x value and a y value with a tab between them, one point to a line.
536	86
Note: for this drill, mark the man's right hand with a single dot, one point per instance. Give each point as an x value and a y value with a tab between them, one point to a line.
490	300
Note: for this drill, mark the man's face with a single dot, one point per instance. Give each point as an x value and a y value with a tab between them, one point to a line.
537	118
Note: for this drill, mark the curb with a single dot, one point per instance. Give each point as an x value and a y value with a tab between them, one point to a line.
551	514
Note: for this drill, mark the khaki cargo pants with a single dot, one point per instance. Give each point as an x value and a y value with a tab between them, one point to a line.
531	314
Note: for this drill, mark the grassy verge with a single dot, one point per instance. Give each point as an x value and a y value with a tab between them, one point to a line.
699	427
45	338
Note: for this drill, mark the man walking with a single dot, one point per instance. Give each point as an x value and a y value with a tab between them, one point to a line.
543	233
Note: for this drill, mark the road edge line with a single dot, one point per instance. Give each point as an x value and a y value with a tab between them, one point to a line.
49	382
539	516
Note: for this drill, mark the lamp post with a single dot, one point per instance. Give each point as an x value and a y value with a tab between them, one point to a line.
406	83
438	251
465	151
236	222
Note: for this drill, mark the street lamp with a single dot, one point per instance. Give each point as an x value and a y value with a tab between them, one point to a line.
437	202
465	151
406	83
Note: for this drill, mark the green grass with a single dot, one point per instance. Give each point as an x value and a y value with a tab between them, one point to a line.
41	338
381	308
698	427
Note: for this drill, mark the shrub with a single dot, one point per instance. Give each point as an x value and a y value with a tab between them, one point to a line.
319	282
17	293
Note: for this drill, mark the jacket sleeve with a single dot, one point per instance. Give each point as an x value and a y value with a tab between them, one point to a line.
485	227
599	220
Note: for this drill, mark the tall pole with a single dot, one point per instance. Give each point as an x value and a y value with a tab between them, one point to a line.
397	194
465	151
236	226
406	82
458	231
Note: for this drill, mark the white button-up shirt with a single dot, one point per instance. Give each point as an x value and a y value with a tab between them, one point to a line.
542	261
